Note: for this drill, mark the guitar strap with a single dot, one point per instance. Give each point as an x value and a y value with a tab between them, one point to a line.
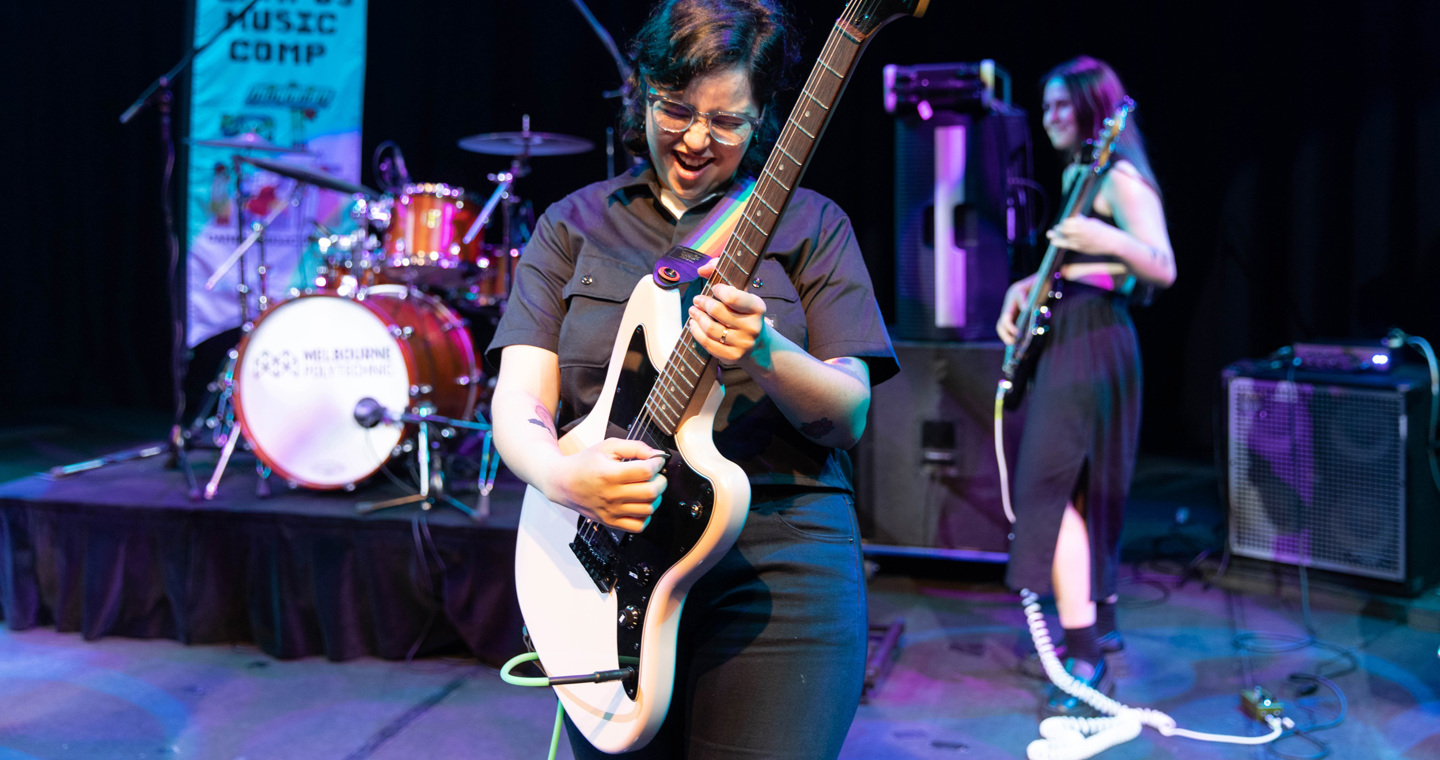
682	263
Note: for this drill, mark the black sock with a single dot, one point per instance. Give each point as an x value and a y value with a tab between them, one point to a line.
1080	644
1104	618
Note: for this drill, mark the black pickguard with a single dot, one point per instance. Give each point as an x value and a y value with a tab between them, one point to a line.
630	564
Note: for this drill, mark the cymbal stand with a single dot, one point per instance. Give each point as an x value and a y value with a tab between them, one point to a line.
505	183
257	233
242	288
432	471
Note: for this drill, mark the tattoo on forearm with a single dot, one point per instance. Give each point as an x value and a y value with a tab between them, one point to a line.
542	418
818	429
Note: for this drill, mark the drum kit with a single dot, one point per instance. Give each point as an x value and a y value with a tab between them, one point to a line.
372	360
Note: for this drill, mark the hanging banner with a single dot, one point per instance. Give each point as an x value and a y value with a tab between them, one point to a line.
284	85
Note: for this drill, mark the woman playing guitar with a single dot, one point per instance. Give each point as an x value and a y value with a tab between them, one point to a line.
1077	454
772	640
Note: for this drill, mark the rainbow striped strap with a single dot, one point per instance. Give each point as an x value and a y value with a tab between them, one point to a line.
682	263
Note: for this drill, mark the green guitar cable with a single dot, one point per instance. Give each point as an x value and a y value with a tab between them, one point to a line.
605	675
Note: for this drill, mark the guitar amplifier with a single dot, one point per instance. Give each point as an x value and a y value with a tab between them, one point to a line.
1330	471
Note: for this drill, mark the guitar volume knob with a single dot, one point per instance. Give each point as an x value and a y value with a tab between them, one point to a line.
630	617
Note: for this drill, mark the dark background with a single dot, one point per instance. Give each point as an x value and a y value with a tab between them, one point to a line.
1297	149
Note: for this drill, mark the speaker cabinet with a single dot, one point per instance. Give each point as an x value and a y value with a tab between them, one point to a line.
957	216
1330	471
928	479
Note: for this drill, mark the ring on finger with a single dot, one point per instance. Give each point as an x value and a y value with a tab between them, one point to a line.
723	332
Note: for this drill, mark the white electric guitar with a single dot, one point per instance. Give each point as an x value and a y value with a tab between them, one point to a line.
603	602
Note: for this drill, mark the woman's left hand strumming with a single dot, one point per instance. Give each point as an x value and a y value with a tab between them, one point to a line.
1083	234
729	323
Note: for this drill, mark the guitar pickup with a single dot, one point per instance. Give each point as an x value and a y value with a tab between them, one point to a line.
598	553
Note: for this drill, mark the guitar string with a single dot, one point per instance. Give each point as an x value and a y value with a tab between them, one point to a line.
646	419
853	11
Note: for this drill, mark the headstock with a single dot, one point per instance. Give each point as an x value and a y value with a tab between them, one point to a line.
865	17
1105	142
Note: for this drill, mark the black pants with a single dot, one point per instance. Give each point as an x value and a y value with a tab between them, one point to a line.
1082	426
772	640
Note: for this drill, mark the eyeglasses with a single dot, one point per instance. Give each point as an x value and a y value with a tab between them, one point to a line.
725	127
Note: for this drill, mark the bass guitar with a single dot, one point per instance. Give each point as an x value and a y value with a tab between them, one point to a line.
1034	319
606	603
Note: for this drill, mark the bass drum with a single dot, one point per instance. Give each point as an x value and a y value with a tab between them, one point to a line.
308	362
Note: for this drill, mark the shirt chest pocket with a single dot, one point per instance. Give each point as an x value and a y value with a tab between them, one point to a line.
782	303
595	299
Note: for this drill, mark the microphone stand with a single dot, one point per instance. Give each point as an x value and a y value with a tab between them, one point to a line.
620	64
160	93
369	413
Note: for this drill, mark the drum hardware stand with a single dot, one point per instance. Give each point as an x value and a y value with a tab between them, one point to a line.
160	93
227	430
369	413
257	234
519	167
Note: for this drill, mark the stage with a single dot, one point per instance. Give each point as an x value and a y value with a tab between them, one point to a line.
142	624
123	551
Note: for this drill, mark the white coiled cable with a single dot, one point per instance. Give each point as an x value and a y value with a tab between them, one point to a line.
1064	738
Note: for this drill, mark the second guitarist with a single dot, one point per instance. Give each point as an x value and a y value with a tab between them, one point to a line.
772	640
1077	454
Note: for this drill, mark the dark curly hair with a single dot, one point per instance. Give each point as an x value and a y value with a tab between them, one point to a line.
684	39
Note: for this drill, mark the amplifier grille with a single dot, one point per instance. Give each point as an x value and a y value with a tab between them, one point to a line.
1317	476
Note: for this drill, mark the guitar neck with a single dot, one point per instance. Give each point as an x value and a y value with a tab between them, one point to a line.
773	189
1080	203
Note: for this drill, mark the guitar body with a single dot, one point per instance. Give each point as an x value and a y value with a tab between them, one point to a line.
1022	355
574	624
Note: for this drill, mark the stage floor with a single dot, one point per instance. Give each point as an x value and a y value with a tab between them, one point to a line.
959	684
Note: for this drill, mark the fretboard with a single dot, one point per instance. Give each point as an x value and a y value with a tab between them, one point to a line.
776	184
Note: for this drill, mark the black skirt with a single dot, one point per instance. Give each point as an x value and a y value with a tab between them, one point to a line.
1081	429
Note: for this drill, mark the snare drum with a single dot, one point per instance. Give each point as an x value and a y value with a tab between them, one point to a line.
423	242
308	362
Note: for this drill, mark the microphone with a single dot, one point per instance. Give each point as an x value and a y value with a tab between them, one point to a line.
369	412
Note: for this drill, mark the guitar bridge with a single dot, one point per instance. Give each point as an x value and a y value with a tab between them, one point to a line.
598	552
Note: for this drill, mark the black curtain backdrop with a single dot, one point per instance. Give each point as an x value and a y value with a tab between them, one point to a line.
1296	148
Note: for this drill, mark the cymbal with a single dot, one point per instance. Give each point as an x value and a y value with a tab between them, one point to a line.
310	176
247	141
525	144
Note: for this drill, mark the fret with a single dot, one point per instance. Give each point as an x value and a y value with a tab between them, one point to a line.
676	397
693	349
662	403
846	32
778	182
658	414
747	247
803	148
832	71
685	361
758	217
756	226
761	198
781	148
807	94
802	129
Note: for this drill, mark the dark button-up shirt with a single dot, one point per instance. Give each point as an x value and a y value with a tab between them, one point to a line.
590	249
